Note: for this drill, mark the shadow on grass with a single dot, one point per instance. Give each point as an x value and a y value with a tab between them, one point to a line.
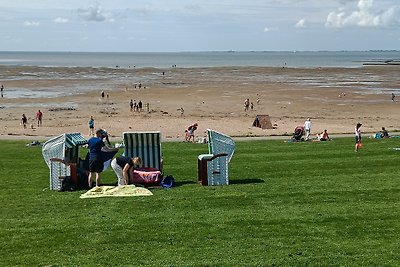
181	183
246	181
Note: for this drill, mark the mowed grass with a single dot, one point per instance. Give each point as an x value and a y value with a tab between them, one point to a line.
289	204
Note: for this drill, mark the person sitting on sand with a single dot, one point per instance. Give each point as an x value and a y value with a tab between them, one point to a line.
324	136
384	133
190	132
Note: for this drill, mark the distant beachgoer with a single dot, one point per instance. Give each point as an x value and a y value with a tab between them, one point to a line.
135	107
324	136
246	104
393	96
258	101
190	132
131	105
2	89
384	133
102	94
24	120
182	111
358	137
140	85
91	126
108	97
252	106
307	128
140	105
39	118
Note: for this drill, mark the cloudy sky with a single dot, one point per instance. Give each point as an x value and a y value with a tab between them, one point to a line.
198	25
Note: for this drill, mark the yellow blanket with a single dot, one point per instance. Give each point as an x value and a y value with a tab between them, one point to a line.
116	191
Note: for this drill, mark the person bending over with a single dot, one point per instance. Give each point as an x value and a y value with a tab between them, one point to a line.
122	165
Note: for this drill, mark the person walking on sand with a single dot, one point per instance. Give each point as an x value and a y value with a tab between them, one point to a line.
95	144
307	128
91	126
393	96
24	121
2	89
357	132
39	118
131	105
246	104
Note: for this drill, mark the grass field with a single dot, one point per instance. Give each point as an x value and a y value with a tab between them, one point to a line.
289	204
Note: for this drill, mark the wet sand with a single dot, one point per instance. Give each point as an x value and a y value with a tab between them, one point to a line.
212	97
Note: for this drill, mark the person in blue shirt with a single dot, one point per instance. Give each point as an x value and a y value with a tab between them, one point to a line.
95	145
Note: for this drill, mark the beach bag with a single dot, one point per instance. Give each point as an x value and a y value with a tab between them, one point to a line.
168	181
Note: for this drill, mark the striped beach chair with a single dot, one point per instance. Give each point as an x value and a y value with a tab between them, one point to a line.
145	145
61	155
213	167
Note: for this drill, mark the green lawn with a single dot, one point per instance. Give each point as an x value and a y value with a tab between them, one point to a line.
289	204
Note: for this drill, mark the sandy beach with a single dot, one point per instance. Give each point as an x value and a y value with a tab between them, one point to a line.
334	98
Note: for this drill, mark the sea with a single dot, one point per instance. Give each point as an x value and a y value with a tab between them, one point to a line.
294	59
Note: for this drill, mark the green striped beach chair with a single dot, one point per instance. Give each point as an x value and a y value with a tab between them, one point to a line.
61	155
145	145
213	167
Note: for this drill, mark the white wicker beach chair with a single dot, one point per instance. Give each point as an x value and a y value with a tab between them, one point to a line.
213	167
61	155
145	145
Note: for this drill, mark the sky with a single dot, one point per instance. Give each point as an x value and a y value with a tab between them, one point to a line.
199	25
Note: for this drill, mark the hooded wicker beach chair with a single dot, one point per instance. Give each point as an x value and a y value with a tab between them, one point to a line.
213	167
145	145
61	155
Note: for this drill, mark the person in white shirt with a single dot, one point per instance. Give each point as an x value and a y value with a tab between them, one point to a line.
307	128
358	137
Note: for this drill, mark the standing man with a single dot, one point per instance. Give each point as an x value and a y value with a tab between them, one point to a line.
131	105
39	117
307	128
2	89
91	126
95	145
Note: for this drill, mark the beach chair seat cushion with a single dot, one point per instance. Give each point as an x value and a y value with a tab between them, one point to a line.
146	176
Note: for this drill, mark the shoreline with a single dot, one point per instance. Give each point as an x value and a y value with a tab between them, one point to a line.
334	98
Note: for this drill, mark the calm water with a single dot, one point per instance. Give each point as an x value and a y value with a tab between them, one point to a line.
196	59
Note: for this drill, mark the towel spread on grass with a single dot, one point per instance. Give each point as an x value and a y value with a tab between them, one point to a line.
116	191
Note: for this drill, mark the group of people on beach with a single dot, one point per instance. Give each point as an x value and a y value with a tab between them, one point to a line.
324	136
38	118
135	106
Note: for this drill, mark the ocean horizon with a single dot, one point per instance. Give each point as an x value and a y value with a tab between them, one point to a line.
128	60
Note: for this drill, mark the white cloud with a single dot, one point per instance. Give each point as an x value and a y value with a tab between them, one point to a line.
31	23
301	23
93	13
366	15
60	20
